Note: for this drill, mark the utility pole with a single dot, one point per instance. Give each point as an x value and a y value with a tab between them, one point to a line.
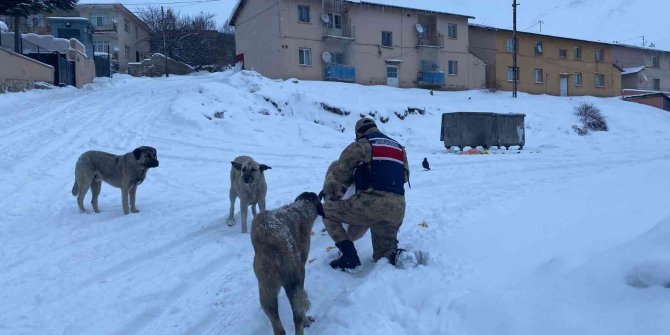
164	42
515	69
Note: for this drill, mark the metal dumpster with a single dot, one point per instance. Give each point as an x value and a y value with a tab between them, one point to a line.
471	129
467	129
509	130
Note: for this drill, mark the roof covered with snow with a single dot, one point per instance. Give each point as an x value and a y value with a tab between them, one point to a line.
439	7
430	6
72	18
632	70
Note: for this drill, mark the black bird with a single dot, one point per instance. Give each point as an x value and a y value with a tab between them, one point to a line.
425	164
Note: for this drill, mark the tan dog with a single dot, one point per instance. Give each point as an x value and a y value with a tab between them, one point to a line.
247	182
335	191
122	171
281	240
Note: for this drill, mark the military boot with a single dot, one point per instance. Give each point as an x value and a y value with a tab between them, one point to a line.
349	257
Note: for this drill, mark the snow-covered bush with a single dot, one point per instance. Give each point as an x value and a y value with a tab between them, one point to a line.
591	118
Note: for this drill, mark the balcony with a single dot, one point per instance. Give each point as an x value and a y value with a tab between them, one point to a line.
339	28
430	40
338	72
430	78
104	28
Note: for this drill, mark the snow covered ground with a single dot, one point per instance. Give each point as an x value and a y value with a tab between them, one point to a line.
570	236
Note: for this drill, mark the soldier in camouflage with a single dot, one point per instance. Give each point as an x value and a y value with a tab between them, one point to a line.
379	168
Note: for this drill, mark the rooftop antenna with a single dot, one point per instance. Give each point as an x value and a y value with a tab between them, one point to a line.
540	22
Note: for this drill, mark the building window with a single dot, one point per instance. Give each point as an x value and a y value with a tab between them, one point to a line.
600	80
510	45
563	53
126	25
334	21
578	79
126	52
654	61
511	74
305	56
100	19
538	48
656	84
392	72
303	13
539	76
35	22
101	46
387	39
578	53
600	55
453	67
452	31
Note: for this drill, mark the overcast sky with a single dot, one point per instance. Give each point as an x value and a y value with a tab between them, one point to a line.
603	20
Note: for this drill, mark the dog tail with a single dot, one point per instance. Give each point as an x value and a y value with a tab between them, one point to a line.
75	189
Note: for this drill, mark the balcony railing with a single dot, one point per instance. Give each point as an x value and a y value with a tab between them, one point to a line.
430	40
343	31
105	28
338	72
431	78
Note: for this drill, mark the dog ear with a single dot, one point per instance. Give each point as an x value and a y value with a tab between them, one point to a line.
265	167
321	195
236	165
137	153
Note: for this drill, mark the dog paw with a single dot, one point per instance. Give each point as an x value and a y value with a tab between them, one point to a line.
230	222
308	321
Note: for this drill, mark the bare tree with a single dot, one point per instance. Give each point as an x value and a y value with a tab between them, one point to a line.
190	39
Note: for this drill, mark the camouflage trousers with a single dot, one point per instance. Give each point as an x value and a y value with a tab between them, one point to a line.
382	212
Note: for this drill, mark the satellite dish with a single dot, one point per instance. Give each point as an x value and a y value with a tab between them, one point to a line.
326	56
325	18
419	28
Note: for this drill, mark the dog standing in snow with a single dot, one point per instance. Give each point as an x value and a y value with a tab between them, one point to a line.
281	239
122	171
247	182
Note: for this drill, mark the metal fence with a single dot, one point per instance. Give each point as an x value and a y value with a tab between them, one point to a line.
103	67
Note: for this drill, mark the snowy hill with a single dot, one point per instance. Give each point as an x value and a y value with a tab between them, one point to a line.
555	239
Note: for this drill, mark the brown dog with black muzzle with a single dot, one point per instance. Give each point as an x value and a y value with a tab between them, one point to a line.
122	171
247	182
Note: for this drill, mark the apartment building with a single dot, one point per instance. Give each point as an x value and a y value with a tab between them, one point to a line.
645	69
115	29
118	30
369	43
546	64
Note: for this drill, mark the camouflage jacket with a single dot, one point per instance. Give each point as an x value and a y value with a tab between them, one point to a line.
358	152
